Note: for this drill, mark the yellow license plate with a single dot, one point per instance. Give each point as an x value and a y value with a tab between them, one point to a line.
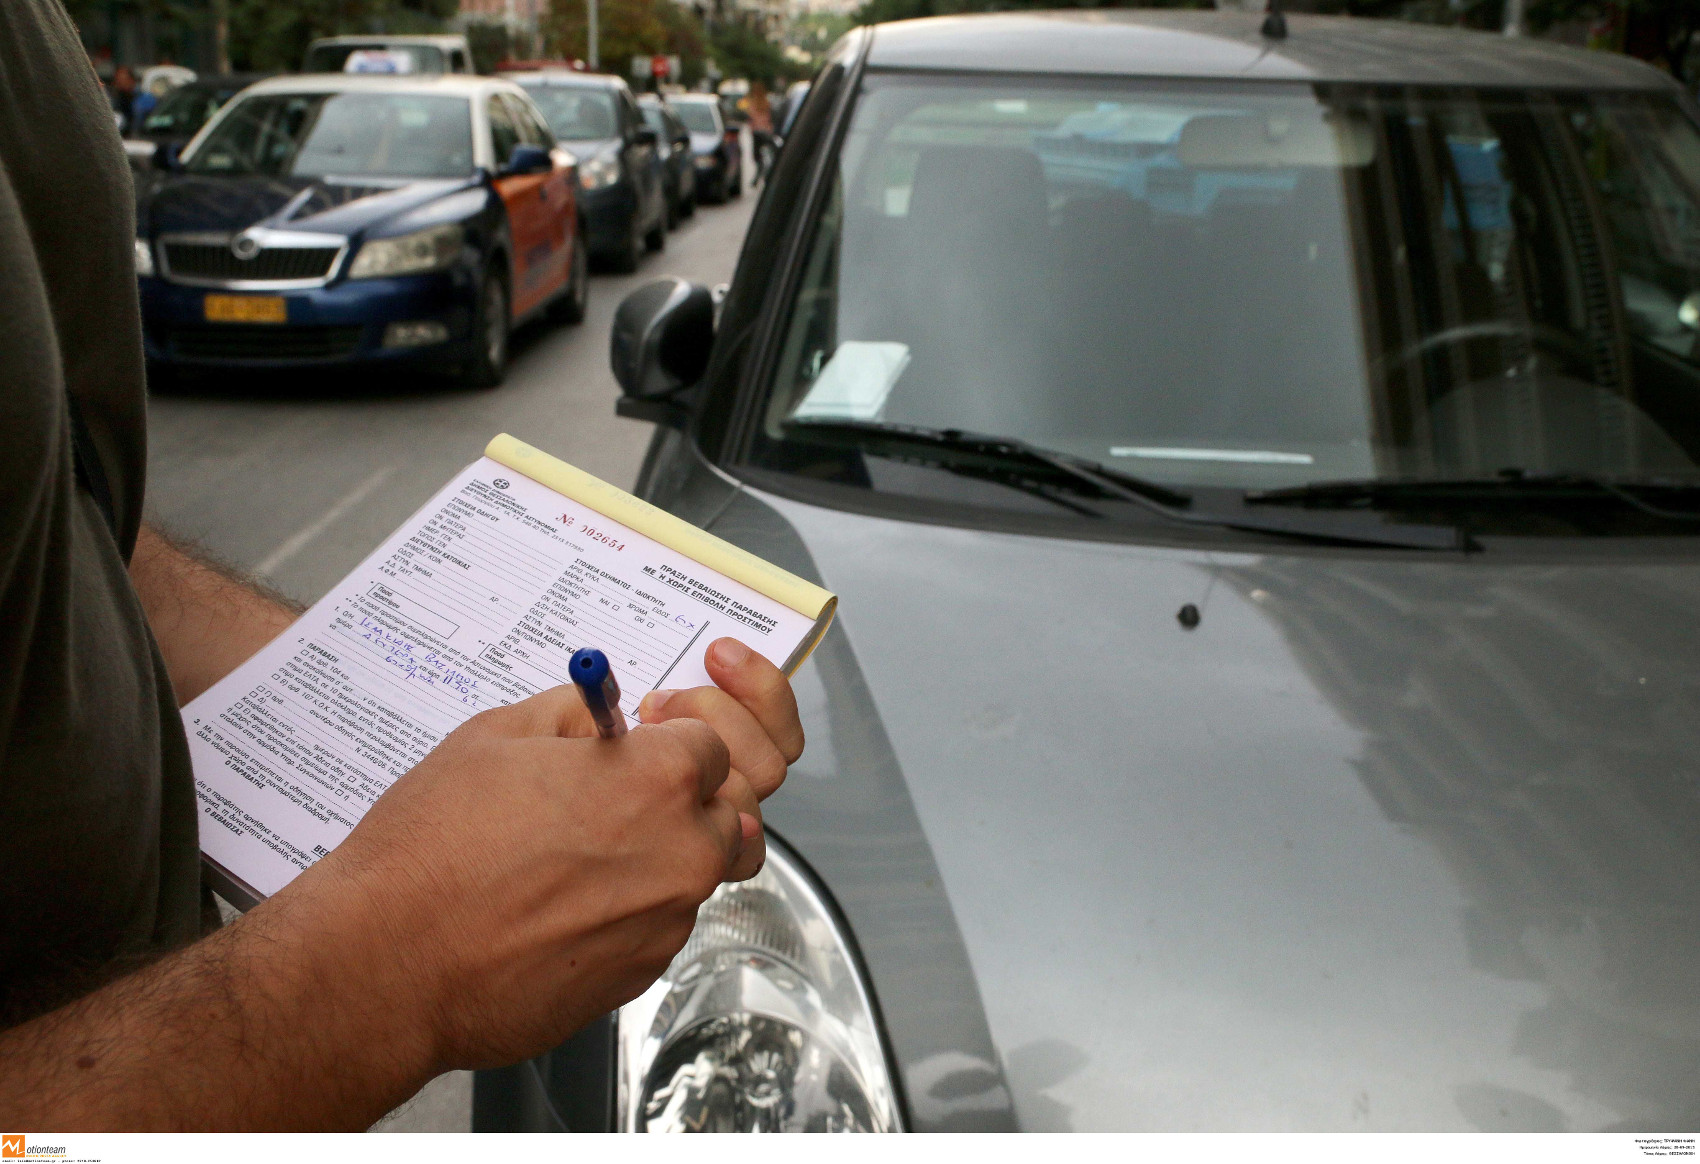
246	309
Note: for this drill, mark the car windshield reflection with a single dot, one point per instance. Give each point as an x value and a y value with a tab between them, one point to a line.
1257	286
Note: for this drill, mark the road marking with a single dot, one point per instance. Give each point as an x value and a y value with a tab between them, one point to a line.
304	536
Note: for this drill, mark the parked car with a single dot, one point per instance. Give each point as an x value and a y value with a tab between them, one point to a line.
322	220
623	197
673	146
389	54
715	147
790	105
1260	479
181	113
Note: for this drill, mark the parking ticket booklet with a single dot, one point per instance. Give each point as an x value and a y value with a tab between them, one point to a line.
478	600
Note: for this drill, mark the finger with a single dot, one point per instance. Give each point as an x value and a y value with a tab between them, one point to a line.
754	853
753	752
726	824
762	688
559	711
699	752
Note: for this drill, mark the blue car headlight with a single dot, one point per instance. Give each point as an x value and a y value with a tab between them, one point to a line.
431	249
602	170
761	1024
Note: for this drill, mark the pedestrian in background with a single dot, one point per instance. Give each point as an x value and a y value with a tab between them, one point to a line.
122	96
760	112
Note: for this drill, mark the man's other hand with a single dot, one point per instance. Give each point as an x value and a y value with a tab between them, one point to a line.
523	878
752	708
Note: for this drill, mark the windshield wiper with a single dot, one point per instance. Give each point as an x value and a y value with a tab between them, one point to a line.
1510	485
1017	463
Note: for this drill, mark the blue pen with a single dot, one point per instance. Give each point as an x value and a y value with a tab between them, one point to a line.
595	678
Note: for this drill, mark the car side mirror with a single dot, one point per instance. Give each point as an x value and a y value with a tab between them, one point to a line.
527	159
166	156
663	333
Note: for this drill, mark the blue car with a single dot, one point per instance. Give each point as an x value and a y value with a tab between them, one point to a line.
347	220
622	185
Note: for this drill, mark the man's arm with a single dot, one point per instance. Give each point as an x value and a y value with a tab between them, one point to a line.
207	617
521	880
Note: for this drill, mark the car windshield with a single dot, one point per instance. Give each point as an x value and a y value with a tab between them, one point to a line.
183	111
576	114
400	58
654	118
353	135
1254	286
698	116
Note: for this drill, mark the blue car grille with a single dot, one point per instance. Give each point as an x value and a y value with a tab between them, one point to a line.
214	261
261	342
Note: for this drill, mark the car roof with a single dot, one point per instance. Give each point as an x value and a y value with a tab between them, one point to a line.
442	40
696	98
1145	42
447	84
567	77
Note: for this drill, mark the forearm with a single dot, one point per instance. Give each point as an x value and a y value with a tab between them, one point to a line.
207	618
268	1024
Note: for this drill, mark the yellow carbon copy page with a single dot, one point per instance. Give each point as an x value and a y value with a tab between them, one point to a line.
478	600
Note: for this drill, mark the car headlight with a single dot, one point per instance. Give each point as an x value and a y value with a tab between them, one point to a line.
761	1024
602	170
707	161
144	257
409	254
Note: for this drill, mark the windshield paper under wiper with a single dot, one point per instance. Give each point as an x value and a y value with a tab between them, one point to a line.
1004	458
1509	485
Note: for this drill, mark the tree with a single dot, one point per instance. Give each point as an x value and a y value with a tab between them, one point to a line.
742	50
626	29
267	35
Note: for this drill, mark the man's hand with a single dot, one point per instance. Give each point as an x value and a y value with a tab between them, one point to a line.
526	877
754	711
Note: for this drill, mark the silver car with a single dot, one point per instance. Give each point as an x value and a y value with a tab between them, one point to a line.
1262	476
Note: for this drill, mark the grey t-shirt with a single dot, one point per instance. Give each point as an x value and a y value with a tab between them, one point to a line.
99	862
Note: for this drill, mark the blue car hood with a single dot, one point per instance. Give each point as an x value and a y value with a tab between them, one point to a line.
210	203
1386	842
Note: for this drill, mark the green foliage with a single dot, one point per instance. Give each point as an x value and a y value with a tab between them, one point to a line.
625	29
265	34
490	43
740	50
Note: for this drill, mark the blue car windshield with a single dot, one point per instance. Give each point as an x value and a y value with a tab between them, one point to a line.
576	114
341	135
1250	285
698	116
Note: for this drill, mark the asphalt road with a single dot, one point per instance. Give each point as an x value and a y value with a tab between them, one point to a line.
297	479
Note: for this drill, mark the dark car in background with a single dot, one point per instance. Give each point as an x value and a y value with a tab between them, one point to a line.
181	113
716	150
622	196
372	221
673	145
1261	479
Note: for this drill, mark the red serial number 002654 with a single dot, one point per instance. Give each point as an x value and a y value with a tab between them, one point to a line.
605	539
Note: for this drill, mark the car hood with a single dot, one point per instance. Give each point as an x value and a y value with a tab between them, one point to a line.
1386	842
590	147
705	143
197	202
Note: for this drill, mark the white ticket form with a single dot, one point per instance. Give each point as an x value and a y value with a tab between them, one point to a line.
477	601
